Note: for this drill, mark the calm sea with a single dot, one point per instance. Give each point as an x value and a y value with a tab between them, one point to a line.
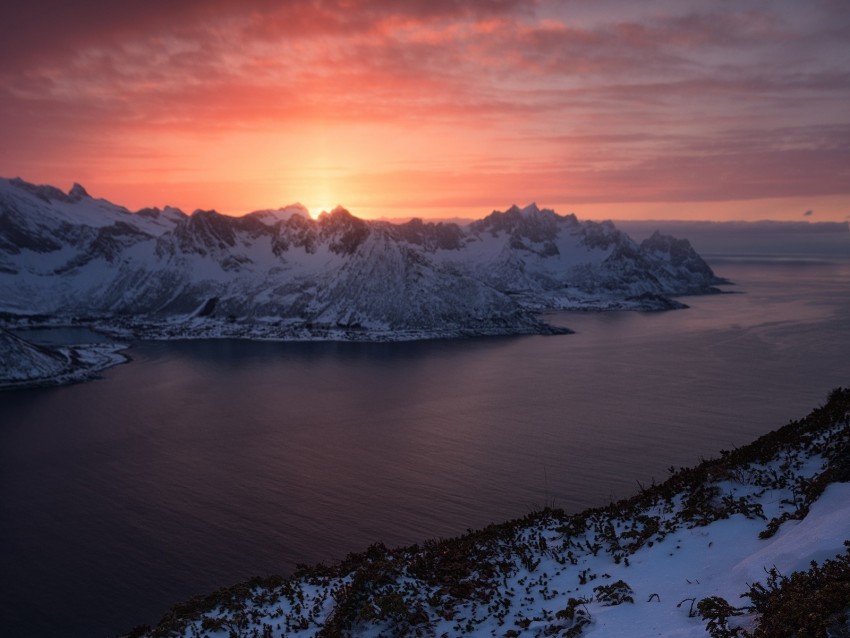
201	464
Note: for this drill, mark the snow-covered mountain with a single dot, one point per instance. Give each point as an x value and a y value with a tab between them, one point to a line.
279	273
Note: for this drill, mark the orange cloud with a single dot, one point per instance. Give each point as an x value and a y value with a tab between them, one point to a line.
420	103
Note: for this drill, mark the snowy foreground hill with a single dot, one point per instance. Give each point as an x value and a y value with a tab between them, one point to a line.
280	274
753	543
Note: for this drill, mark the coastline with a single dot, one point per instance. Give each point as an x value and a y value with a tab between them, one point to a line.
85	362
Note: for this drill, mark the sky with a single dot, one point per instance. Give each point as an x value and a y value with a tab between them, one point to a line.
616	109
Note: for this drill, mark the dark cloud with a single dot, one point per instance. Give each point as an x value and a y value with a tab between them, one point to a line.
45	30
808	213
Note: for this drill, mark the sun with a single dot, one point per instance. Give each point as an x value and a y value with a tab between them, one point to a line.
318	209
322	196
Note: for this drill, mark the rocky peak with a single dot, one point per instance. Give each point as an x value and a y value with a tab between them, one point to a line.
447	236
44	192
680	253
205	229
77	192
666	243
338	215
345	231
601	235
529	223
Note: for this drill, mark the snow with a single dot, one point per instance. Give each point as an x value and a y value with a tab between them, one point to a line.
819	536
637	568
80	209
73	256
24	364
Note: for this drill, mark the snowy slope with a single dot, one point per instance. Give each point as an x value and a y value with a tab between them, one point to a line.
281	274
24	361
24	364
714	550
546	260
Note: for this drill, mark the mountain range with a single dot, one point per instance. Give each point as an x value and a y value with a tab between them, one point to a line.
162	273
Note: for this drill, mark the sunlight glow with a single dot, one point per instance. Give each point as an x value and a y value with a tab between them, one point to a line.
318	209
439	113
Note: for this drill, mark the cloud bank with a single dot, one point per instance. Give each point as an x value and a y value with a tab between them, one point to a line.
443	103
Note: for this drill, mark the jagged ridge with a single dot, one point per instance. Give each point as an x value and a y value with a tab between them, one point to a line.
282	274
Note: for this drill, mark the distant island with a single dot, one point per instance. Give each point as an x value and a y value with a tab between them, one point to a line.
754	543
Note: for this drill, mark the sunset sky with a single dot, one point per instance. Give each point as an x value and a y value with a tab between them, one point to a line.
437	108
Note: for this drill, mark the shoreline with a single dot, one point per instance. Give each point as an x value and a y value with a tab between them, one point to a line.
85	363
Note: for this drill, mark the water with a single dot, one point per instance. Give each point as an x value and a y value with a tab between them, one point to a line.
200	464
